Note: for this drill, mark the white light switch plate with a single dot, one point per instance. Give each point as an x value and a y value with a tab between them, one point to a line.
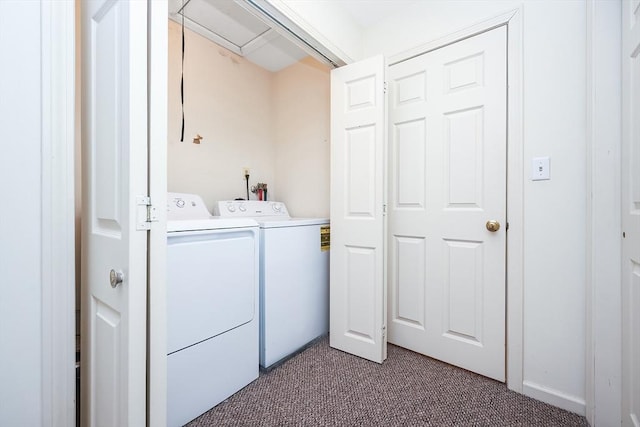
540	169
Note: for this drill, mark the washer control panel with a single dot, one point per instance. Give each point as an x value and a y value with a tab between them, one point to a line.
185	206
250	208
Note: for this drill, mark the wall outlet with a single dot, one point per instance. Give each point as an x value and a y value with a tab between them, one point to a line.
540	169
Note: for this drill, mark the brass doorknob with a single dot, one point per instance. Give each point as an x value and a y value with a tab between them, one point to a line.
493	226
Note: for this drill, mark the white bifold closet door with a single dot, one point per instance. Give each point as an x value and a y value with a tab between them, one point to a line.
630	213
114	248
357	291
357	286
447	192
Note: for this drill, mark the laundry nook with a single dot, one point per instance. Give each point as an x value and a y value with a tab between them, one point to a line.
247	208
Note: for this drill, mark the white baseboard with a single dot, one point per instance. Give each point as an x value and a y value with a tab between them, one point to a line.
554	397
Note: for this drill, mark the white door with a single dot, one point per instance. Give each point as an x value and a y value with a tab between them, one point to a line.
447	179
357	285
114	149
631	213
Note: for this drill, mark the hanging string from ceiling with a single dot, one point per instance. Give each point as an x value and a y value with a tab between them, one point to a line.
182	77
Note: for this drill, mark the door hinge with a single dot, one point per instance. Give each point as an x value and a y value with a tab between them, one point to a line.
384	209
385	87
146	213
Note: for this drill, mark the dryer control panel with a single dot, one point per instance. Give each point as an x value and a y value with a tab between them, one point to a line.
251	208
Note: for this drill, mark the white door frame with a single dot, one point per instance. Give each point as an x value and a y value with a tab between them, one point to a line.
58	213
515	177
157	253
603	352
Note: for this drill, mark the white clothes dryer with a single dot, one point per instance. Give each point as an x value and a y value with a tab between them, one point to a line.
294	277
212	307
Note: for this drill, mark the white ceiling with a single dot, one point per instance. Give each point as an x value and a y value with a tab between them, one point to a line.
233	27
367	13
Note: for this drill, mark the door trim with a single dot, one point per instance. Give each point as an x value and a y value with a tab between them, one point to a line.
515	173
58	214
603	352
157	245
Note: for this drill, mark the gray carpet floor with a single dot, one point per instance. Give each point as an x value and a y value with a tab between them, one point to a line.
325	387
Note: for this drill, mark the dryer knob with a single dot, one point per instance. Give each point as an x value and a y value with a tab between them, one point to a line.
180	203
242	208
231	208
276	207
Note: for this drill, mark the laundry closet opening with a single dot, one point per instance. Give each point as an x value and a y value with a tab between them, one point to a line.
275	124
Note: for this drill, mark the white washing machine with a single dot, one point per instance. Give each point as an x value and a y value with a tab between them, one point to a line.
294	277
212	307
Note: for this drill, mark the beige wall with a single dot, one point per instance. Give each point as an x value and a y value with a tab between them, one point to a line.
248	117
301	107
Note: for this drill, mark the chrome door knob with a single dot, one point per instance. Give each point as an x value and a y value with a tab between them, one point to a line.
115	278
